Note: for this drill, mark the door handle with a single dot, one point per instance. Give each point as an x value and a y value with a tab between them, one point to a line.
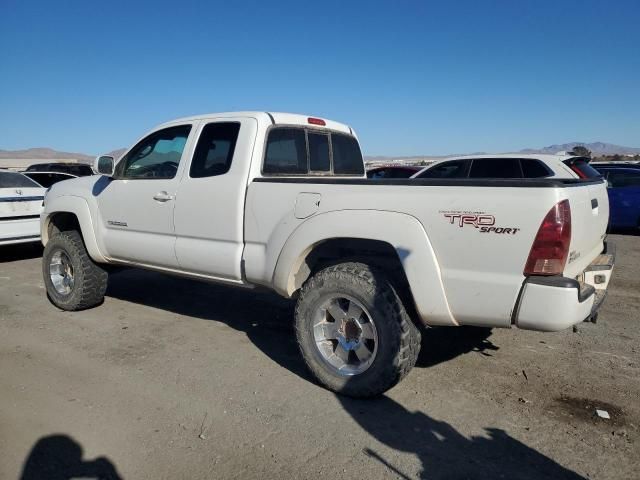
163	197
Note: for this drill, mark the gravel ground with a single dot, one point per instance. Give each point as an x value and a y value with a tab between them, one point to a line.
171	378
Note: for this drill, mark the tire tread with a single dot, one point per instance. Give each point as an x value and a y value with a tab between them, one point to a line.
94	278
407	334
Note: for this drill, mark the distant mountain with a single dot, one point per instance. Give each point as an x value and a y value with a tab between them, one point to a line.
596	148
45	154
117	153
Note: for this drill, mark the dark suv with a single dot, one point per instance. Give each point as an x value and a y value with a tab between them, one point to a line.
77	169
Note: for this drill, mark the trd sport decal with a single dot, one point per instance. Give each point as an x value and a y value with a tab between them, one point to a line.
484	222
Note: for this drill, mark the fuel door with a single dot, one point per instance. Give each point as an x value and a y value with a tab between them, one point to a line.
307	204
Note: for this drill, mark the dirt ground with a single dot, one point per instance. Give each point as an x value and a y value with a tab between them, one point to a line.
175	379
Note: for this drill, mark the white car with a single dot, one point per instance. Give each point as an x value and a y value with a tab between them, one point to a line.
276	200
510	165
20	207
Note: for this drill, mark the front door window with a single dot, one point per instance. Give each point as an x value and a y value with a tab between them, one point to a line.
157	156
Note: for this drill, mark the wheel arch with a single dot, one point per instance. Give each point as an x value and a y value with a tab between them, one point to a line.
395	242
70	213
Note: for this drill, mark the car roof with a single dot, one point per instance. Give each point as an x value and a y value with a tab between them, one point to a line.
64	164
535	156
398	167
630	169
49	172
553	161
275	118
615	165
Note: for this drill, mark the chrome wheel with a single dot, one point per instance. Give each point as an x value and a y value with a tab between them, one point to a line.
345	335
61	273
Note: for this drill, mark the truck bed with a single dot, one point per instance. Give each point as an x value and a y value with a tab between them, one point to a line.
479	258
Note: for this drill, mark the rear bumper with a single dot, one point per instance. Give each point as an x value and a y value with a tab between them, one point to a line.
20	230
554	303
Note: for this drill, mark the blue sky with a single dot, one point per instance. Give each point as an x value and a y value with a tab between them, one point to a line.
411	77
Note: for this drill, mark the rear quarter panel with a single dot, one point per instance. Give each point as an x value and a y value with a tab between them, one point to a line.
480	269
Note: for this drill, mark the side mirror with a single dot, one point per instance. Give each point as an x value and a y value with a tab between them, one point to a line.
105	165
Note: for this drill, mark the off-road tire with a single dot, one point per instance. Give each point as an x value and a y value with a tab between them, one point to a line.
398	337
90	279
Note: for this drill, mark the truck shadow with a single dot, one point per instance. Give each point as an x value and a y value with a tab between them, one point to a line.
445	453
59	457
267	319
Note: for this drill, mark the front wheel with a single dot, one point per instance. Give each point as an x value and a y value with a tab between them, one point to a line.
73	281
353	331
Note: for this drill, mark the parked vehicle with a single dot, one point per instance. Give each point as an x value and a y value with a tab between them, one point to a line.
77	169
396	171
281	201
623	186
510	166
46	179
599	165
20	206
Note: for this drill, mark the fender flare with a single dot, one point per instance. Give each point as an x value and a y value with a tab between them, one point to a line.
403	232
79	207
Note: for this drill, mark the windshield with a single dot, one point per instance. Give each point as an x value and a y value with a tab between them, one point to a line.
16	180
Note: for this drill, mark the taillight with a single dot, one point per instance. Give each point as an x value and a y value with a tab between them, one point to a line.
550	248
577	171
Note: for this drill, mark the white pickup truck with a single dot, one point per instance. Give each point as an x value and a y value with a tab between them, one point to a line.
281	201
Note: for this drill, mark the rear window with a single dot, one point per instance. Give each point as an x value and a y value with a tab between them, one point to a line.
582	168
495	168
319	160
452	169
347	157
532	168
286	151
16	180
298	151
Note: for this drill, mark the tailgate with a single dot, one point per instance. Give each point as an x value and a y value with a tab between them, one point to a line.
589	220
20	202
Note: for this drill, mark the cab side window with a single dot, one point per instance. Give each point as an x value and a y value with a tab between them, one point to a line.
495	168
532	168
453	169
157	156
214	151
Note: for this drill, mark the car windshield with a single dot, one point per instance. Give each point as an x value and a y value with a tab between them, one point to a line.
16	180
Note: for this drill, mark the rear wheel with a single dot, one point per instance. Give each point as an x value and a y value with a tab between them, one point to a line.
73	281
353	331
